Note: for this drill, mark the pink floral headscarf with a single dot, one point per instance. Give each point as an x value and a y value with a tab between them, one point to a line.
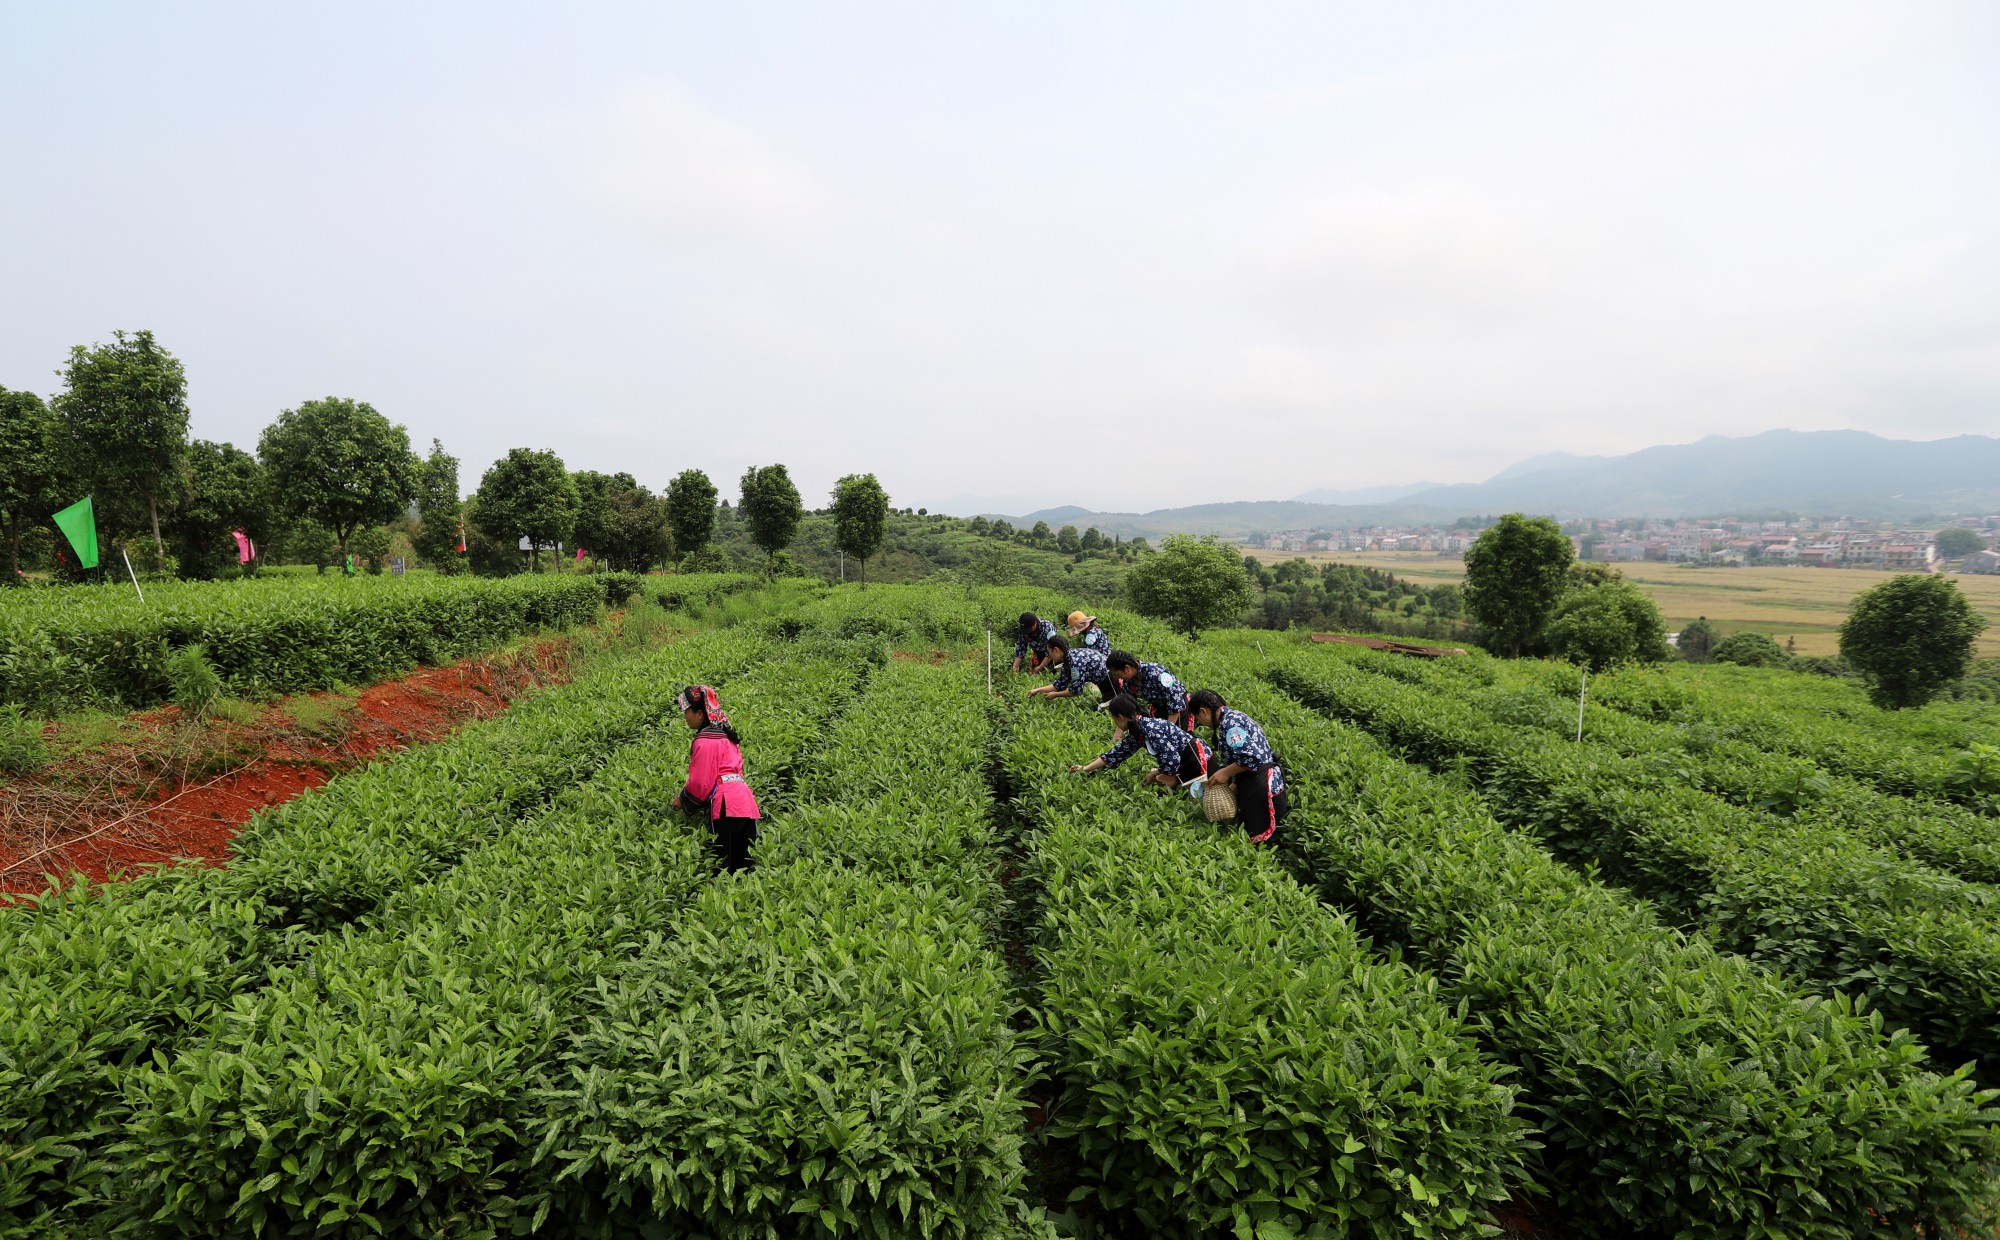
704	697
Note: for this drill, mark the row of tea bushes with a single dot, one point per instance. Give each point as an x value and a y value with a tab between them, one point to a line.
914	619
1922	946
1908	753
391	1080
99	646
682	591
1228	1057
825	1047
1544	696
94	979
1679	1090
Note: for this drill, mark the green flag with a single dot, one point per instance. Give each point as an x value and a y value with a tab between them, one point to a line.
78	522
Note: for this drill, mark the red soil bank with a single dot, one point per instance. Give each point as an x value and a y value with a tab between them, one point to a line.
198	820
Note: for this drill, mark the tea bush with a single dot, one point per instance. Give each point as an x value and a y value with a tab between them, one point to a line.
22	750
99	646
619	587
196	685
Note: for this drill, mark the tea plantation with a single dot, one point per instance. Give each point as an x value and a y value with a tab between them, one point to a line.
99	646
1728	966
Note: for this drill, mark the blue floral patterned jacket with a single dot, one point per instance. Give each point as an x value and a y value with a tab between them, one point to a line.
1036	639
1162	739
1159	688
1083	666
1239	739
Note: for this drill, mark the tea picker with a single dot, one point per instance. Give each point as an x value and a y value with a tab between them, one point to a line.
715	785
1180	756
1083	669
1160	690
1248	765
1086	631
1034	636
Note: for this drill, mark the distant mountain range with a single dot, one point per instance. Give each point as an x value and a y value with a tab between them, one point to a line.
1366	495
1810	473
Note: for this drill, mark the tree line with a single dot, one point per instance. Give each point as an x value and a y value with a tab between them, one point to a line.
1297	593
1909	639
334	478
1065	540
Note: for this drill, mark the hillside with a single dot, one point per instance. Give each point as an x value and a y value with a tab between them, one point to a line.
1818	473
1813	473
1366	495
1232	520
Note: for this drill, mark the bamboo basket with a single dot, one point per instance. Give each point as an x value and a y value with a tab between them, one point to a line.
1218	802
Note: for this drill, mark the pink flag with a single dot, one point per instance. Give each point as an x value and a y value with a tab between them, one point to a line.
579	553
245	549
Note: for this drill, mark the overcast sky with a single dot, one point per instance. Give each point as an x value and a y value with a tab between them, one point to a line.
1126	256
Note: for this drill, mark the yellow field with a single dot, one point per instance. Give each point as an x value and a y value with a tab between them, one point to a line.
1802	604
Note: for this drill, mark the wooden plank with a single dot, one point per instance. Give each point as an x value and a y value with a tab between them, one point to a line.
1375	643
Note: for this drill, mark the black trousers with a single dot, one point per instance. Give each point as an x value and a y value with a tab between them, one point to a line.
1194	760
731	839
1257	808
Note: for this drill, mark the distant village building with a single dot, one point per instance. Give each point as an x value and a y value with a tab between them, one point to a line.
1910	557
1981	562
1861	551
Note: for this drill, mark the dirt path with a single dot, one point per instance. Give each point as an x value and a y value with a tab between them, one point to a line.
162	788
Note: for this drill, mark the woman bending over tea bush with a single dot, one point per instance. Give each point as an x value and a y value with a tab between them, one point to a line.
1180	755
715	779
1248	765
1033	637
1078	668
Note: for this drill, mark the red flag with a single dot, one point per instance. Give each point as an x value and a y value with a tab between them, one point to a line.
579	553
461	535
245	549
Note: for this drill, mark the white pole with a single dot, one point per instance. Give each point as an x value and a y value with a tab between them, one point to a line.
1580	689
134	576
843	564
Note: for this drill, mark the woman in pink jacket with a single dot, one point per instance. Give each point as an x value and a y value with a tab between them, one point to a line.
715	779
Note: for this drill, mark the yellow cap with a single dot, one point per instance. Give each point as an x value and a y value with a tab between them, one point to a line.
1077	620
